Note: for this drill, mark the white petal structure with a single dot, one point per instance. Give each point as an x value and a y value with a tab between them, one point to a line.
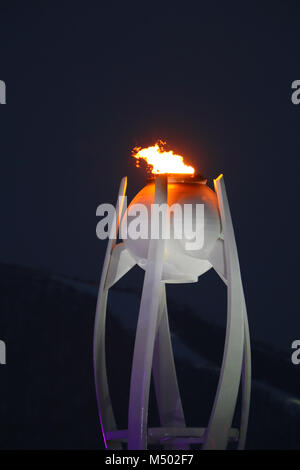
172	260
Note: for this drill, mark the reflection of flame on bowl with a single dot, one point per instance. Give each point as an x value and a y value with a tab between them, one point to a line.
178	261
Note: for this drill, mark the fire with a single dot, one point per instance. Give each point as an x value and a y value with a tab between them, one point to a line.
162	161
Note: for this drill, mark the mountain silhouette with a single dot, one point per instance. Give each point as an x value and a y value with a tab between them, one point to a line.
47	395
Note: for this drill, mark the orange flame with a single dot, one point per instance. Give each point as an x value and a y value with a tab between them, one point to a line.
162	161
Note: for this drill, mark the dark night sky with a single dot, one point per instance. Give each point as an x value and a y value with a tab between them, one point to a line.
87	81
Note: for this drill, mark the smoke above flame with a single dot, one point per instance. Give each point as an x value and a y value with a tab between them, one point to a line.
161	160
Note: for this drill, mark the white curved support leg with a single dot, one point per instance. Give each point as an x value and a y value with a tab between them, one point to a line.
218	430
106	414
145	335
164	374
246	384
